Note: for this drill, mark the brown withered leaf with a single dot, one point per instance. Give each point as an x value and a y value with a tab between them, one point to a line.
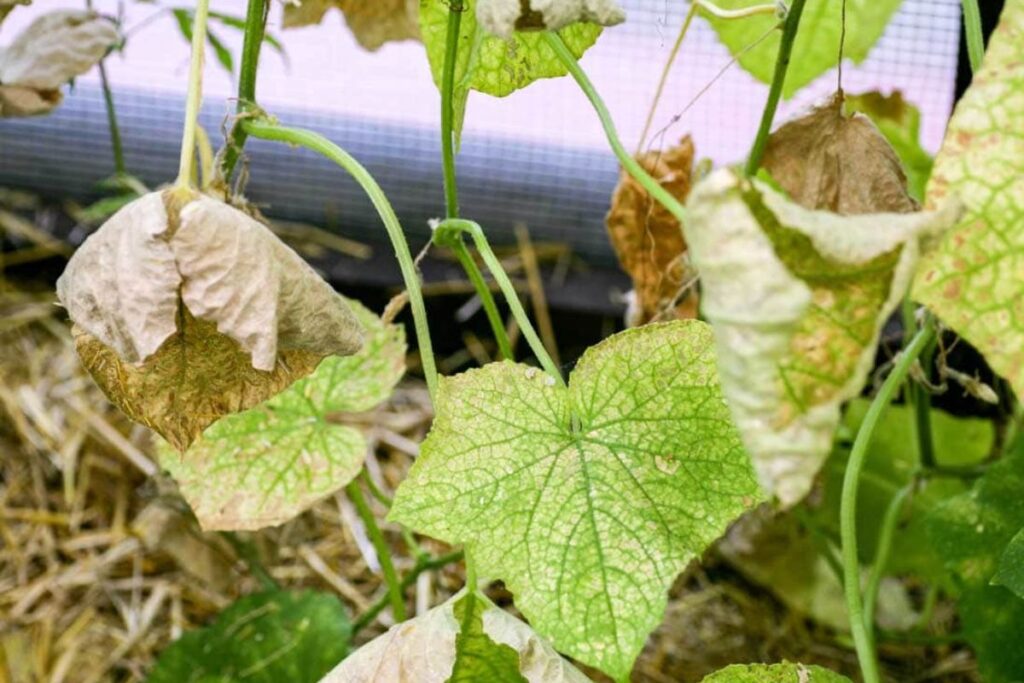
649	240
504	17
372	22
829	160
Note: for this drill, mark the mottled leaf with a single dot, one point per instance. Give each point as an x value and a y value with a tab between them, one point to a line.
373	22
268	637
588	500
477	657
424	650
974	280
649	240
797	299
264	466
504	17
775	673
1011	565
817	43
490	64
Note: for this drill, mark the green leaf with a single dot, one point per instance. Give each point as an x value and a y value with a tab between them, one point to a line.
490	64
224	56
588	500
263	638
975	278
477	657
900	123
1011	566
263	466
817	43
775	673
797	299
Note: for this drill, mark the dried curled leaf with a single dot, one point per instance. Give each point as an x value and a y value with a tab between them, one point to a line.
54	49
649	240
185	315
797	299
7	5
424	649
829	160
504	17
373	22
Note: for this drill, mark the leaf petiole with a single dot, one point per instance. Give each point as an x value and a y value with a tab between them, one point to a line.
195	94
380	544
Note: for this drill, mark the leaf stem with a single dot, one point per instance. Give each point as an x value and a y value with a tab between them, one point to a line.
483	290
848	502
267	130
631	165
918	396
252	43
246	550
973	34
195	94
115	130
450	230
741	13
380	544
789	30
423	564
883	550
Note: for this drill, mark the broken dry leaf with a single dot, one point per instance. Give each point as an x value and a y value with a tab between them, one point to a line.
649	240
797	299
373	22
829	160
54	49
183	316
504	17
424	650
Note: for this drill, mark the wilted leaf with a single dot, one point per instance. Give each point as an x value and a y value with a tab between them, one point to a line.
829	160
817	42
424	649
797	299
975	278
504	17
900	123
5	8
649	240
775	673
268	637
54	49
186	315
489	64
1011	566
266	465
373	22
586	501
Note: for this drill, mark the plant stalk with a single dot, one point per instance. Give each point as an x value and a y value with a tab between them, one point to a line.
883	550
252	43
195	94
423	564
380	544
246	550
973	34
115	130
267	130
483	290
789	31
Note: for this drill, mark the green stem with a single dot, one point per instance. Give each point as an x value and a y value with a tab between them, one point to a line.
267	130
486	299
115	130
423	564
380	544
918	396
252	43
973	34
775	93
848	502
375	491
634	169
195	94
247	551
882	551
449	231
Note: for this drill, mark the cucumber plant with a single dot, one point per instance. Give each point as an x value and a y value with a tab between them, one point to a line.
588	494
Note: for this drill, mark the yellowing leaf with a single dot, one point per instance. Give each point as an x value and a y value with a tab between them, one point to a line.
187	315
775	673
264	466
797	299
424	649
504	17
974	280
373	22
588	500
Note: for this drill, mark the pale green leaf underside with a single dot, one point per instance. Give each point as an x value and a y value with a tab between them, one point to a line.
586	501
797	299
1011	566
490	64
477	657
974	280
263	466
775	673
817	43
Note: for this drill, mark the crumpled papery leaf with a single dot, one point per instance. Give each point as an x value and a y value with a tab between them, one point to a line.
504	17
649	240
837	162
264	466
797	299
424	650
372	22
775	673
974	280
54	49
586	501
184	315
